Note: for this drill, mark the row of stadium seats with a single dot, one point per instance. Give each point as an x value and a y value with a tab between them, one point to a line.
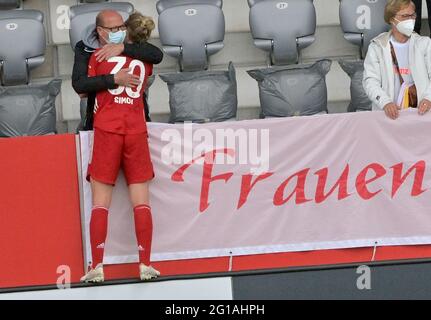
238	35
360	20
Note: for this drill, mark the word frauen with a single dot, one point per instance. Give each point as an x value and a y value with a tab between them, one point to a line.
302	182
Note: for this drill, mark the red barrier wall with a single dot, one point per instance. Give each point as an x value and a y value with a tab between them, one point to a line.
40	227
272	261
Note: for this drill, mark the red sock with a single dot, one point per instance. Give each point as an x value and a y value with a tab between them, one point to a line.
144	232
98	232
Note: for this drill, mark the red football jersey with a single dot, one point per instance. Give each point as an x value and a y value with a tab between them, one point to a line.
120	110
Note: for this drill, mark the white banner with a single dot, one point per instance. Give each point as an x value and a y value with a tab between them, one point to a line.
279	185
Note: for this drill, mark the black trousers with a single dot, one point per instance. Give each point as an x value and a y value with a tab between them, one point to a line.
418	4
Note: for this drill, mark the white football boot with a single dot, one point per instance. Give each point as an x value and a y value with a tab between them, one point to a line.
94	275
147	272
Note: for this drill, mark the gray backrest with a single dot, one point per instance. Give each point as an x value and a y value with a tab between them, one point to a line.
28	110
282	28
84	15
359	100
361	21
22	45
191	30
293	90
9	4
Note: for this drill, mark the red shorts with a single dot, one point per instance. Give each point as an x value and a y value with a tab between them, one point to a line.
112	151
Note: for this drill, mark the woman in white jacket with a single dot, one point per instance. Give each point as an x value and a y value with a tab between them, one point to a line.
397	68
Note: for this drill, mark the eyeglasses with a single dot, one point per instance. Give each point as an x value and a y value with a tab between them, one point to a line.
407	16
115	29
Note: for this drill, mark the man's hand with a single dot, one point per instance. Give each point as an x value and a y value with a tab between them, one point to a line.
391	110
125	79
109	51
424	106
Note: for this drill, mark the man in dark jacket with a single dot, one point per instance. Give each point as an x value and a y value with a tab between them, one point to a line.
98	36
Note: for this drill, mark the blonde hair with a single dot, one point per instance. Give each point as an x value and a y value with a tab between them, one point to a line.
139	27
393	7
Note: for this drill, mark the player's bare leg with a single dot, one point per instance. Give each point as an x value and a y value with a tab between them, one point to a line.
139	195
102	193
102	196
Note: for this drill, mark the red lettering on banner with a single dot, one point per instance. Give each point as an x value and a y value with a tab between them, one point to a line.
249	181
341	184
299	190
398	180
206	181
362	181
207	177
247	185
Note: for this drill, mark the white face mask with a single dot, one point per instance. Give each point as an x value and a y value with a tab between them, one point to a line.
406	27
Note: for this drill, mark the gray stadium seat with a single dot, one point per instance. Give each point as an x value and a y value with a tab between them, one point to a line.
202	96
294	90
28	110
22	39
25	109
84	15
361	21
359	100
191	31
9	4
282	28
